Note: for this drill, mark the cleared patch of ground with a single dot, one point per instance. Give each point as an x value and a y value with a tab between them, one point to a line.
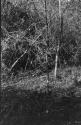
29	101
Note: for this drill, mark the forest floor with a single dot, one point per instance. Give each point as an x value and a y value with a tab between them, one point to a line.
26	99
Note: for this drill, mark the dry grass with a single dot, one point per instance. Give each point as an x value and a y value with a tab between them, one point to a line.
68	78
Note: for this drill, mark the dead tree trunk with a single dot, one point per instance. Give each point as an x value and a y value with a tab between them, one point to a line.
59	41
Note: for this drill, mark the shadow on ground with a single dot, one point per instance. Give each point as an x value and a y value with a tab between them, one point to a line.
21	107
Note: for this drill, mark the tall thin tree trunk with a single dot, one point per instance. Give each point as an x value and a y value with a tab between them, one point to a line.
46	13
56	62
58	45
47	39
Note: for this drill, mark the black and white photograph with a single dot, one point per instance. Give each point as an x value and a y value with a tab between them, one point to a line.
40	62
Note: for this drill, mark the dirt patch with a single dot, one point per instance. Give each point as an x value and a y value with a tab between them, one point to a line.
20	107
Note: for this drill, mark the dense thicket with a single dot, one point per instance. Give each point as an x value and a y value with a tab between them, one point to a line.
23	28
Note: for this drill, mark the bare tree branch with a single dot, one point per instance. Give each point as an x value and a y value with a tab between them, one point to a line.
18	60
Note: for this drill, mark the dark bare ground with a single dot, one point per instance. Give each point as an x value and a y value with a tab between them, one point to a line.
30	102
